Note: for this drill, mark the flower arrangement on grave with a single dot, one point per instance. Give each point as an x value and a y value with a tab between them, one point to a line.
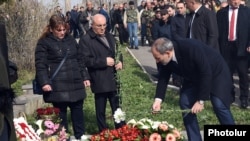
142	130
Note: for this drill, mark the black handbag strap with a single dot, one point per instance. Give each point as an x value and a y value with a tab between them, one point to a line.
59	67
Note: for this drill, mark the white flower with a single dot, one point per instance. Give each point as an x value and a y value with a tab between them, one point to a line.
156	125
84	138
119	115
132	122
40	129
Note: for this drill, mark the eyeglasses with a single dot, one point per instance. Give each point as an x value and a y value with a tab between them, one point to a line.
59	30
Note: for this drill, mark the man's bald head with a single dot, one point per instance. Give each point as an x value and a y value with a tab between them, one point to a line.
98	18
99	24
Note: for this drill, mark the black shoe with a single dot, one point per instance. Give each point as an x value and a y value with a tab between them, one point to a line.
244	103
131	47
136	48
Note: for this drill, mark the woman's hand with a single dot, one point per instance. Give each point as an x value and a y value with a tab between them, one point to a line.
47	88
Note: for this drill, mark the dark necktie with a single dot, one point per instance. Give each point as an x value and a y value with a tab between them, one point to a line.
190	25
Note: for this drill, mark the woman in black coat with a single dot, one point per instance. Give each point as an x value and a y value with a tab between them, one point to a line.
67	89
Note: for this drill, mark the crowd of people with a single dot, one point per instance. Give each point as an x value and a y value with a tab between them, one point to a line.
202	44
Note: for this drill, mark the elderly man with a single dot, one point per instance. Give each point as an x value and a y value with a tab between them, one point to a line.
206	76
100	56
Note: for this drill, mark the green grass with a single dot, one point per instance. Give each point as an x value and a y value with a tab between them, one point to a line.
24	77
137	97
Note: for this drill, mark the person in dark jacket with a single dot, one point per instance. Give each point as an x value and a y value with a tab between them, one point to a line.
119	25
7	130
104	12
162	29
86	17
102	61
206	76
178	21
67	89
201	24
236	50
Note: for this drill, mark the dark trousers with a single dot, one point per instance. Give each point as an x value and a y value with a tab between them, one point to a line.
77	116
6	131
188	98
100	107
238	64
123	34
143	33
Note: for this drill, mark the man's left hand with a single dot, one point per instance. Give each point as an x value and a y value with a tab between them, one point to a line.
197	107
118	66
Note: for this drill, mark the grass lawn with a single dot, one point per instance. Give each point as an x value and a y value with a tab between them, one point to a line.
137	97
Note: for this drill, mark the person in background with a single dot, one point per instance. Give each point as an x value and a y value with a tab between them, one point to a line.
104	12
206	77
201	24
58	11
178	31
7	130
178	21
74	23
119	25
67	89
171	10
111	15
140	7
156	20
147	17
163	28
86	17
68	20
132	22
81	28
102	61
223	4
234	40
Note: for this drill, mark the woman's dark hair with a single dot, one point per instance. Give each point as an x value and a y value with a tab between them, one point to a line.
55	22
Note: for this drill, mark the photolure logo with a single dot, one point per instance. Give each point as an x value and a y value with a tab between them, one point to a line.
241	132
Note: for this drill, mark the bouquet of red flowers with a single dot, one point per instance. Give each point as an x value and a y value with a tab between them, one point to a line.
47	111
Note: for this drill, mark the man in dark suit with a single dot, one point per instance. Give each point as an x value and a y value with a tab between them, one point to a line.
206	76
235	48
201	24
100	56
178	21
7	130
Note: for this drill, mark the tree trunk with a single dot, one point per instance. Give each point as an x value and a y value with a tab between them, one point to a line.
67	5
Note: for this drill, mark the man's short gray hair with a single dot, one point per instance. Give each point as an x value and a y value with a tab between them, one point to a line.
163	44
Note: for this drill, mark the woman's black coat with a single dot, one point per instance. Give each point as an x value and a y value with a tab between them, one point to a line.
68	83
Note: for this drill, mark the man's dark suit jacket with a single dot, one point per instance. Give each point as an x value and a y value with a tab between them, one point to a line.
200	66
178	26
242	30
204	27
